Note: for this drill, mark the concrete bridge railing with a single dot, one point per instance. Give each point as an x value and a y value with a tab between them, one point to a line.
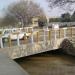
30	49
49	40
26	50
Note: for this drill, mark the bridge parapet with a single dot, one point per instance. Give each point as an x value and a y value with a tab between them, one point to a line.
41	41
26	50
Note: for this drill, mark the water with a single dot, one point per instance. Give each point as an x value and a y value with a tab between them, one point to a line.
49	63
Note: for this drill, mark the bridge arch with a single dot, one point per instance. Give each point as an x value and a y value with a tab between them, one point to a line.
65	45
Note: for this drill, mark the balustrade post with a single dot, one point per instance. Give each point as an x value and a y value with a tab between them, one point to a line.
59	33
1	42
55	31
27	29
71	32
44	36
49	33
37	36
9	41
32	38
55	28
45	30
65	33
24	38
18	40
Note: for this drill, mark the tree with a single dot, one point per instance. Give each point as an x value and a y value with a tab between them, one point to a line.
65	4
54	19
24	11
66	17
9	20
73	17
42	21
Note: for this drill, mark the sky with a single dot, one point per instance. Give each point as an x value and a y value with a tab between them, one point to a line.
4	4
49	12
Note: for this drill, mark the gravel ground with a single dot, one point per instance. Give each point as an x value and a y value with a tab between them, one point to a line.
51	63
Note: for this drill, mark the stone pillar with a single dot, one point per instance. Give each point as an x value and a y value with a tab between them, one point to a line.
32	38
18	40
59	33
71	32
55	28
65	33
9	41
44	36
49	33
1	42
24	38
37	36
55	37
27	29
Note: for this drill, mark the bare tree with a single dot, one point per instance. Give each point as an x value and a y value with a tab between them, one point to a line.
9	20
65	4
24	11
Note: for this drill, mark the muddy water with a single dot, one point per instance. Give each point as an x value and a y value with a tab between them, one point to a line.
49	63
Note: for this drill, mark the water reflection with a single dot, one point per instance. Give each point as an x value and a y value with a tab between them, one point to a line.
49	63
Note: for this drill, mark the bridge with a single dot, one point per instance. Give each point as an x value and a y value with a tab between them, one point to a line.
41	40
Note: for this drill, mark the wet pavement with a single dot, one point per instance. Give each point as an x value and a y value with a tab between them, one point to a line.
9	67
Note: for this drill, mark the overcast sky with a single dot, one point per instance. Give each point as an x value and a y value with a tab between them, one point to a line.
50	12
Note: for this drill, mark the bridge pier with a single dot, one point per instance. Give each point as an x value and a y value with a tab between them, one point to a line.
65	45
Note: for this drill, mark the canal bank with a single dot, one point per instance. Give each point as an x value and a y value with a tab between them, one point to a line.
48	63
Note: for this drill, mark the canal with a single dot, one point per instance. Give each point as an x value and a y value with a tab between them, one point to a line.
48	63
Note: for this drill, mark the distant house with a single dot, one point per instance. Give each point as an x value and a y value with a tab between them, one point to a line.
35	22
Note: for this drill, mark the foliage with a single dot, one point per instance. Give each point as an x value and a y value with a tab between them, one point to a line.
42	21
65	17
9	20
65	4
24	11
54	20
73	17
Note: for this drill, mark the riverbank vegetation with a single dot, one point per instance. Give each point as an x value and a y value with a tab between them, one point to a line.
65	17
20	14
